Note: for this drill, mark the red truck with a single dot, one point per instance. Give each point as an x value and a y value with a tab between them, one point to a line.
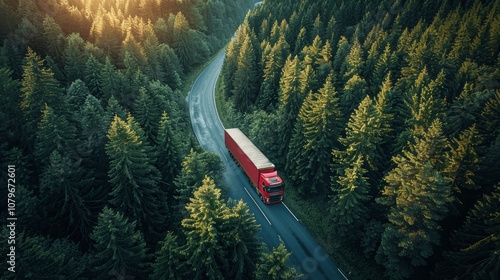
258	168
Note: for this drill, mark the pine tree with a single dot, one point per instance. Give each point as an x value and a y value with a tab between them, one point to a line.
291	99
363	138
94	125
74	62
38	88
273	265
43	257
348	204
92	75
462	160
274	62
246	78
147	114
221	240
475	244
354	91
313	141
55	133
194	168
65	196
54	38
189	45
120	250
9	108
169	159
134	178
243	246
109	81
114	108
77	94
418	196
205	255
168	259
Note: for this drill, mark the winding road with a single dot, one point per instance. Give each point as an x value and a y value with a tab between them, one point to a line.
278	223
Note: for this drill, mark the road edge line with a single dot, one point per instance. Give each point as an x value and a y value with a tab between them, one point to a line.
258	206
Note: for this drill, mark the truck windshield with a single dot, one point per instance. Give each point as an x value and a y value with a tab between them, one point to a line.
274	189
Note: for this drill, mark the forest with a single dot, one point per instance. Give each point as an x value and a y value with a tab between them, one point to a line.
103	177
388	112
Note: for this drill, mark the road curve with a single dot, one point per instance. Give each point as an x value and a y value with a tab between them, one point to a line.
278	224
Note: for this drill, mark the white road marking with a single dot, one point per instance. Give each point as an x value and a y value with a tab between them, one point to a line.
257	206
289	211
341	273
222	152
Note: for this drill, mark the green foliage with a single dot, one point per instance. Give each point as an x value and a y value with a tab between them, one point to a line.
418	196
476	243
221	240
311	144
273	265
348	205
39	88
168	259
43	257
134	178
120	250
246	77
55	133
169	160
194	168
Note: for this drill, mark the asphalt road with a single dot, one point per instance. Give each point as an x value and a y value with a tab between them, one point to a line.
278	223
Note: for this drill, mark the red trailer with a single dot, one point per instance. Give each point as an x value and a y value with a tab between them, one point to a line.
258	168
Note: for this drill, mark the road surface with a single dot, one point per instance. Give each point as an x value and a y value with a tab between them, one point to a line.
278	223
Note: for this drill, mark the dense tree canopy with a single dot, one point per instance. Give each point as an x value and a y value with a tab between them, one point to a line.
406	141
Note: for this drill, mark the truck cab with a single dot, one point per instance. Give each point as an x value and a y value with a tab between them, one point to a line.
271	187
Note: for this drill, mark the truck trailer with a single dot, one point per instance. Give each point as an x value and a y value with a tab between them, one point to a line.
258	168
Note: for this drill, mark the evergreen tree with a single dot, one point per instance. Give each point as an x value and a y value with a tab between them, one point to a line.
291	99
9	112
205	255
246	78
475	244
168	259
54	38
94	125
77	94
74	62
313	141
147	114
55	133
418	196
120	250
274	62
221	240
114	108
43	257
109	81
362	139
194	168
134	178
169	159
189	45
92	75
462	161
348	204
273	265
65	197
354	91
38	88
243	246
